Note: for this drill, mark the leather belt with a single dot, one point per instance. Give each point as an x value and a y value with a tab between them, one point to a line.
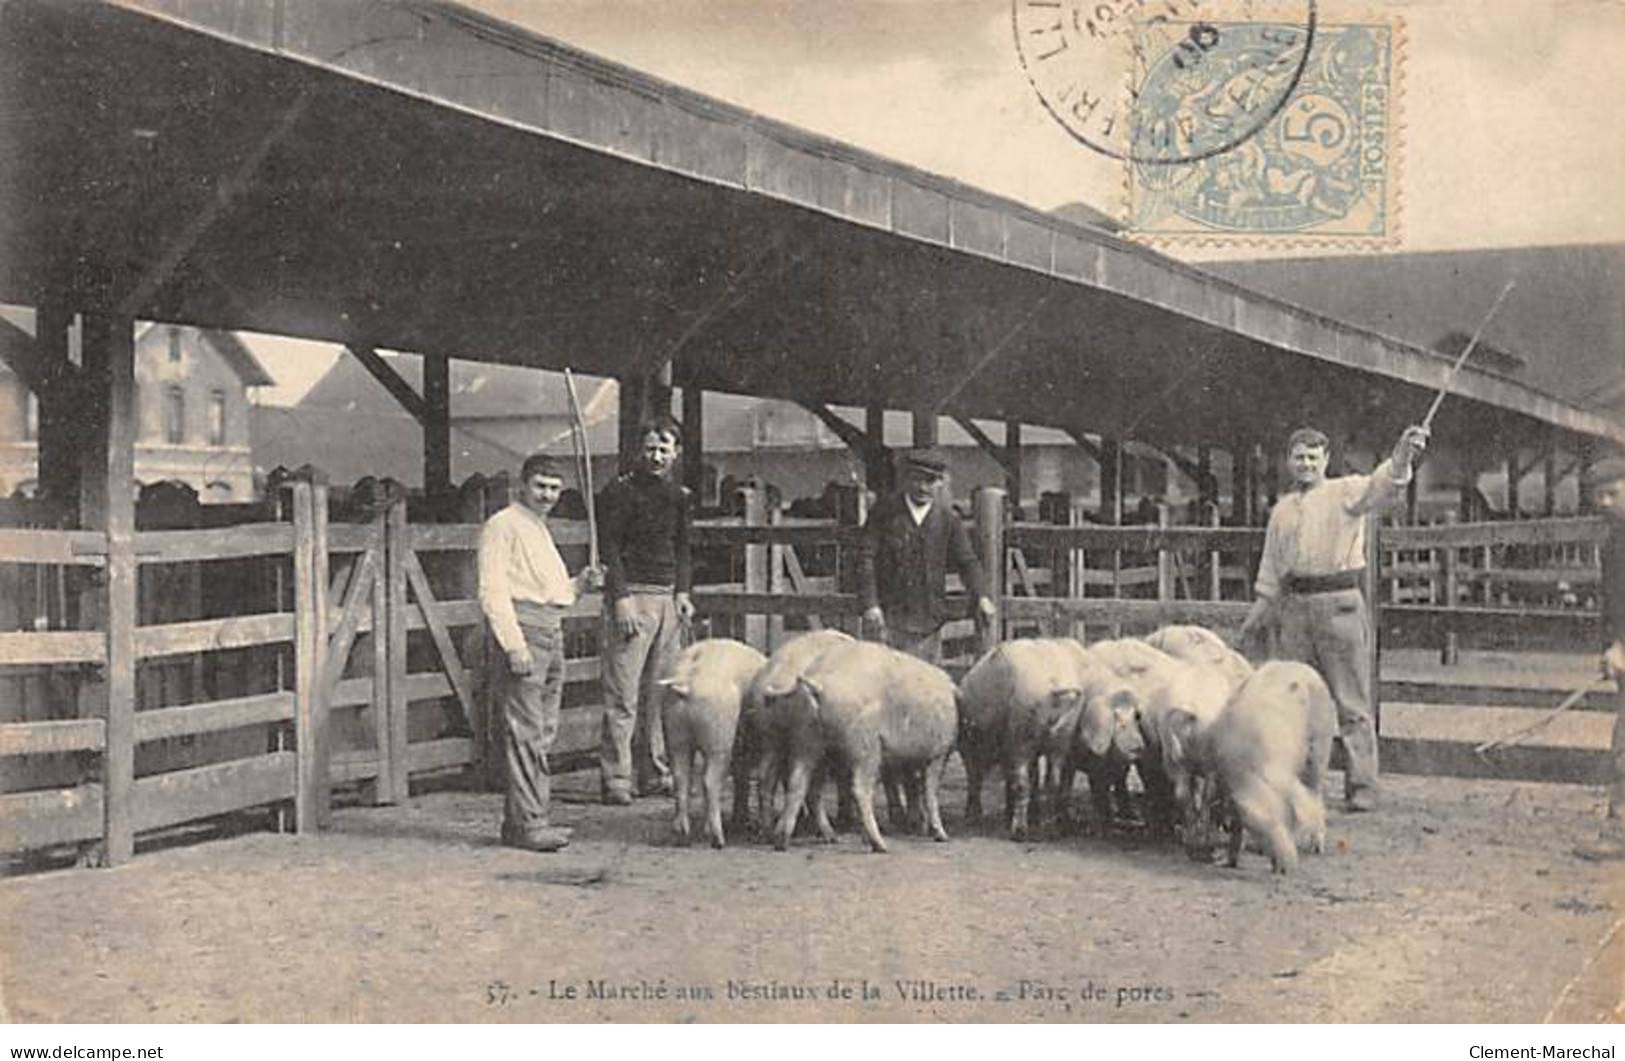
1303	585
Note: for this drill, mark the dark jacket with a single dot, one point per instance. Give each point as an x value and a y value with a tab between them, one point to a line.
643	534
904	568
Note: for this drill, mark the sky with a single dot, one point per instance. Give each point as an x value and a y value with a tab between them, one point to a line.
1510	108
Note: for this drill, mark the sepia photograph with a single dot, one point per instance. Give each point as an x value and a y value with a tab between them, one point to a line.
843	512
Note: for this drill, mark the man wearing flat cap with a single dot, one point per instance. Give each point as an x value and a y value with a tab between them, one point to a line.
1309	585
910	541
1607	482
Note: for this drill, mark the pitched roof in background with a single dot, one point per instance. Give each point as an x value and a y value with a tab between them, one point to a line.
1565	319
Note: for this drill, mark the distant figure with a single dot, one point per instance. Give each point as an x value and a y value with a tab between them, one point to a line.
1310	579
524	590
910	541
1607	480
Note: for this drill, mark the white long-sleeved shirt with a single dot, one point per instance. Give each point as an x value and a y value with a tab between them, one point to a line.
1321	531
519	562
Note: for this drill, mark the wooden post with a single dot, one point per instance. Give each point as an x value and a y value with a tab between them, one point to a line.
756	570
1165	556
989	507
381	788
60	422
436	428
1446	595
306	671
1215	560
477	649
925	427
643	397
1510	469
398	782
694	442
108	504
1373	583
777	584
877	469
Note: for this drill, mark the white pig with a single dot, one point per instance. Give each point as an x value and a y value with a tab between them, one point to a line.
1266	754
701	716
872	707
1198	644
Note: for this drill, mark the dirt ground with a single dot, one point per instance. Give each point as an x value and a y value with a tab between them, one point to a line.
1458	901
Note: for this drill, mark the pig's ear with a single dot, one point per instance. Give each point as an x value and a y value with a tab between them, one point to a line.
1174	730
1095	725
676	685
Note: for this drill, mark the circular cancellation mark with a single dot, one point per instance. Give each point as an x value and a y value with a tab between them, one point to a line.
1163	82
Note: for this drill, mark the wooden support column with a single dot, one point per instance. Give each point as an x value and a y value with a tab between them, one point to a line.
59	439
1549	481
436	425
1241	483
1012	464
925	427
1111	507
877	467
989	508
756	567
1511	471
107	503
1373	591
644	397
694	441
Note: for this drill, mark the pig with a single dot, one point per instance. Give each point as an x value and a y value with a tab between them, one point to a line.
762	737
1265	756
701	713
1198	644
1016	703
872	707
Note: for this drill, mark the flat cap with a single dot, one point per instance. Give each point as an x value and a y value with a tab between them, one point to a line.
1607	470
929	460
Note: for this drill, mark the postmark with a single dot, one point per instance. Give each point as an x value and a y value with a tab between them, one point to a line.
1323	169
1219	80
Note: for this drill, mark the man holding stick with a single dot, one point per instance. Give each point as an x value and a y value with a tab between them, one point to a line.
1607	481
1309	585
524	590
643	523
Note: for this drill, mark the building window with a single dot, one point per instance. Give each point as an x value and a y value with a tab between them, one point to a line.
174	415
174	344
31	418
217	418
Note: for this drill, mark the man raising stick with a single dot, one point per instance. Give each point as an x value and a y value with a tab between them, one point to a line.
1309	583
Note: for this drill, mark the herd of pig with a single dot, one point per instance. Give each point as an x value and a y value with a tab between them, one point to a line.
1217	744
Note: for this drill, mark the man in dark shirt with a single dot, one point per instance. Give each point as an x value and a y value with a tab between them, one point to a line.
1607	480
643	520
909	542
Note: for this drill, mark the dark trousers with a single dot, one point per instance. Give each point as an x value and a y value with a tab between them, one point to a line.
530	711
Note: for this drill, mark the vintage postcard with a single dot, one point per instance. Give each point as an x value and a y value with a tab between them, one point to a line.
733	511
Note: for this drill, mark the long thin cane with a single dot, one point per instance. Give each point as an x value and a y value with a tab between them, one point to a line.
1438	399
578	439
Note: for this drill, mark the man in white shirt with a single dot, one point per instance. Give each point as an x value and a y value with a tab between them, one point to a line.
1310	580
524	592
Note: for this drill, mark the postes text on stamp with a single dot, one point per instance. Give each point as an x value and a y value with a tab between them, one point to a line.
1321	170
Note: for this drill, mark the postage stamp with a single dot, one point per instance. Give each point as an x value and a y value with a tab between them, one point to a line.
1321	169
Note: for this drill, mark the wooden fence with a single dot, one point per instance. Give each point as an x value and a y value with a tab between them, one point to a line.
297	652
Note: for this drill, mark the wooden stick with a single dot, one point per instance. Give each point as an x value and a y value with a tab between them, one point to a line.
578	438
1517	735
1438	399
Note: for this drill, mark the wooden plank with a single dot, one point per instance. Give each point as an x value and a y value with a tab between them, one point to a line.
220	788
377	686
353	537
1148	613
347	623
769	604
585	669
439	537
1575	530
1519	762
317	738
1540	576
443	754
167	722
53	646
1134	539
40	738
82	548
202	635
31	820
800	583
1464	694
449	659
216	543
1434	621
714	535
447	613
